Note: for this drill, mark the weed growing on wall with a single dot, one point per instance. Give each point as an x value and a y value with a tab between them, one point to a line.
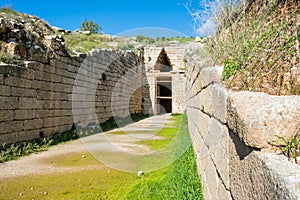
290	147
257	42
9	59
8	10
14	151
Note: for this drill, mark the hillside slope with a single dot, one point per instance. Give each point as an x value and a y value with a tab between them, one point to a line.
258	44
26	37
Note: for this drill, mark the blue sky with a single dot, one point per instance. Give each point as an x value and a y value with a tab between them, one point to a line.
114	16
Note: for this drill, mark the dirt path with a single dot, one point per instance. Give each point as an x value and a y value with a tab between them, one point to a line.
114	145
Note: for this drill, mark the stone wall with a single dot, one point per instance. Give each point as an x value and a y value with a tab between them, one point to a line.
45	99
232	133
178	93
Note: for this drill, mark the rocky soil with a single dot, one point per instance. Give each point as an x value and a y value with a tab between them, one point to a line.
27	37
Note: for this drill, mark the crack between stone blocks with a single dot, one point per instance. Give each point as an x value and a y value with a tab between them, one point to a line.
211	83
223	123
218	173
195	79
207	146
211	116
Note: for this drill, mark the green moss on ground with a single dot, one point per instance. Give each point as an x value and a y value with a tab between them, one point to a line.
179	180
166	134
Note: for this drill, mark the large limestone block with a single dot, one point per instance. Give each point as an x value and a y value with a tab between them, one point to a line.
11	127
8	103
263	176
203	123
24	114
33	124
282	183
210	75
200	151
8	138
7	115
219	109
257	117
217	141
5	90
24	92
28	135
212	100
213	187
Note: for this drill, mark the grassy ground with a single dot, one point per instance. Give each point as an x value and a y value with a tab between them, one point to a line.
167	134
179	180
84	43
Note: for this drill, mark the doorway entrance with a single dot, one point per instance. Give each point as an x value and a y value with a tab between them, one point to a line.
164	95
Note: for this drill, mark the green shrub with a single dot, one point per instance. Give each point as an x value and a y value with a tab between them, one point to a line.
230	68
90	26
126	46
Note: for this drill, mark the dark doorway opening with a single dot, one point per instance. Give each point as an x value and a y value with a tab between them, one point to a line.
165	89
164	96
166	105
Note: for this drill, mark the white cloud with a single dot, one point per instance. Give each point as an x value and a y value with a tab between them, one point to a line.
207	28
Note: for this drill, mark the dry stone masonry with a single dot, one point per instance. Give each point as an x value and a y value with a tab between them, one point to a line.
233	132
37	99
52	91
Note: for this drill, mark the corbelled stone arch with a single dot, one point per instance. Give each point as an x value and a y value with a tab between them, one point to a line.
163	63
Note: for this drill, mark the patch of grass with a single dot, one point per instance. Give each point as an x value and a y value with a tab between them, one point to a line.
176	114
126	47
73	160
166	134
182	40
258	44
86	184
84	43
14	151
230	67
177	181
162	40
8	10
